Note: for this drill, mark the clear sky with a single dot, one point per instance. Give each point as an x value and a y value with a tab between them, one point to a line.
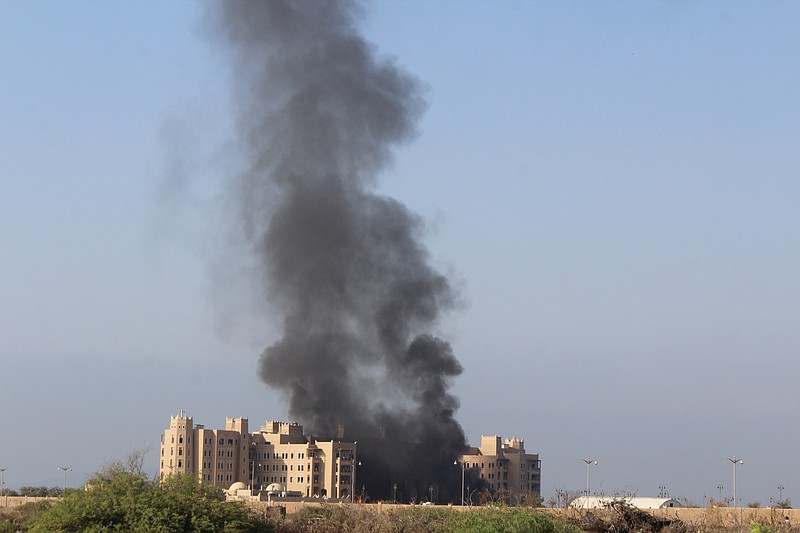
614	185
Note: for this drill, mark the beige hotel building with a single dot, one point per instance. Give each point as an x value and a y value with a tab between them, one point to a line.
505	467
278	453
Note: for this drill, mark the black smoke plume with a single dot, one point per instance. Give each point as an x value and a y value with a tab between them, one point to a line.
319	115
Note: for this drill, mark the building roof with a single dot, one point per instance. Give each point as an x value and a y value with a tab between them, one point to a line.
599	502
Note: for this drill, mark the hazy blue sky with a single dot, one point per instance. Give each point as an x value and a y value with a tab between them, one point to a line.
615	185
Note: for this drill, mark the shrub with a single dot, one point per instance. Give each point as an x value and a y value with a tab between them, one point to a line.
118	499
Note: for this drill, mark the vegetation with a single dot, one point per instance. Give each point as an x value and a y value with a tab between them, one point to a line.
52	492
122	498
491	519
759	527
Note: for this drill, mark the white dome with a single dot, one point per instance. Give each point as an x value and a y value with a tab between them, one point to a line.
237	486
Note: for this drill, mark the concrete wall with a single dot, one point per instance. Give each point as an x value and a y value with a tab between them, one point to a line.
17	501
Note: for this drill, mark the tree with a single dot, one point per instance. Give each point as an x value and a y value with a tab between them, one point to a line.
122	498
40	491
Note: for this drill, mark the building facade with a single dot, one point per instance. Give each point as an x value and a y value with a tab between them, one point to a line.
278	453
505	468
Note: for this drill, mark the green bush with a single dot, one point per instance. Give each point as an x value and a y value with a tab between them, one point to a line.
334	518
119	499
502	520
758	527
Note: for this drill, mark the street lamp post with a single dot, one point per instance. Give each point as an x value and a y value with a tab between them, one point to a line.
2	483
735	461
780	493
353	471
254	451
589	463
463	476
353	481
253	476
719	489
65	469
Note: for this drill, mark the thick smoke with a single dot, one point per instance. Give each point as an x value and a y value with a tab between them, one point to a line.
319	114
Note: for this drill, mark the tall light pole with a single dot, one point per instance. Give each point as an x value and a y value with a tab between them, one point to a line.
2	483
254	455
735	461
353	482
463	475
780	493
65	469
589	463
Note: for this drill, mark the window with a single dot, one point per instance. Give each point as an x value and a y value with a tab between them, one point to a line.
180	439
180	451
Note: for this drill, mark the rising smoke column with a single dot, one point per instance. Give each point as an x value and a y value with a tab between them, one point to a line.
319	114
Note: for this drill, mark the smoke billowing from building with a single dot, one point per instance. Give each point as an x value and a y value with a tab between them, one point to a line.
319	115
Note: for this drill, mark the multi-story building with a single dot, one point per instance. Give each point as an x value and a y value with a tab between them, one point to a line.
278	453
506	469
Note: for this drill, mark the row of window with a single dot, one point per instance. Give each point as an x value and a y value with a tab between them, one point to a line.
503	465
180	439
180	451
281	479
276	455
283	467
180	464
